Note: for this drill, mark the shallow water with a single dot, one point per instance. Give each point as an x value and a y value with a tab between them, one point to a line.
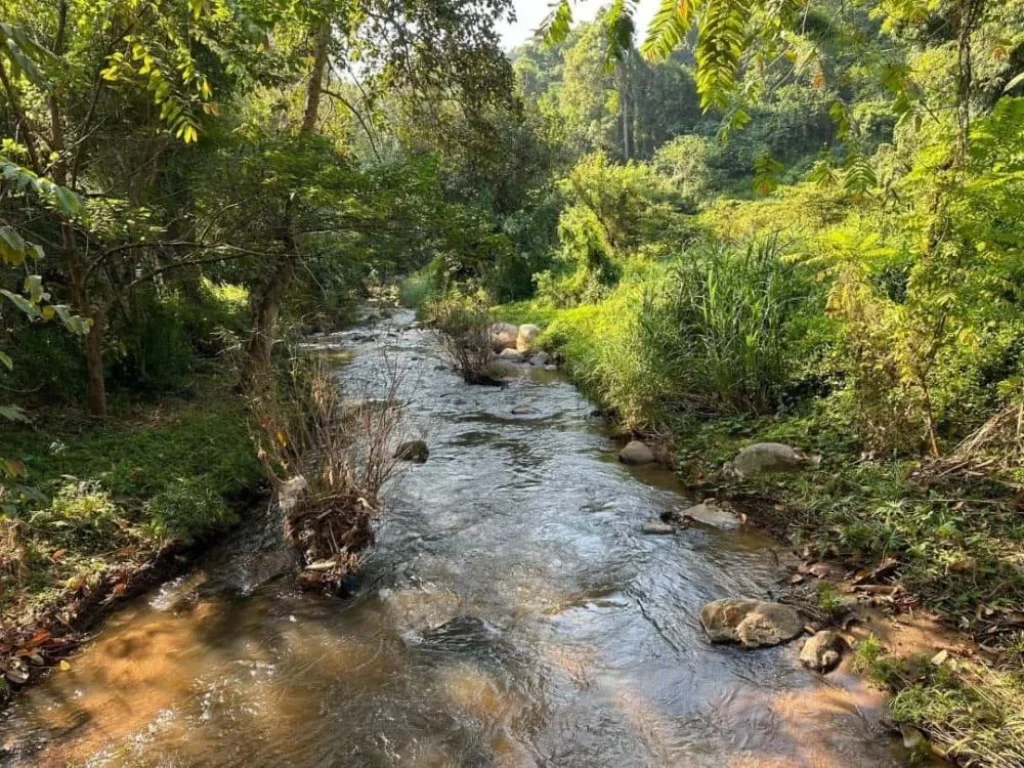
511	614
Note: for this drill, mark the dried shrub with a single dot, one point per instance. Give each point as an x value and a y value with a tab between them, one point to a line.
463	325
328	461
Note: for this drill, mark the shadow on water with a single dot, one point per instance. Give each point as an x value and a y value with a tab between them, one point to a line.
511	615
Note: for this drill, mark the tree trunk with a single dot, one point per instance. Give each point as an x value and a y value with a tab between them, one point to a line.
264	321
268	307
316	78
94	366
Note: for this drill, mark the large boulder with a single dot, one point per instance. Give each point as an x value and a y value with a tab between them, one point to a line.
503	336
527	337
823	651
413	450
761	458
752	623
636	453
512	355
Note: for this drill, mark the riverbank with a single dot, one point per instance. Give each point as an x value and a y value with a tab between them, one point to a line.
108	509
942	539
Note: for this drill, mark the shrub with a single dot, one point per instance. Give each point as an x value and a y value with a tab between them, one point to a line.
463	324
187	509
80	512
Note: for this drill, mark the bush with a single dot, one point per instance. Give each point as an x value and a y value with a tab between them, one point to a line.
463	324
416	290
187	509
82	513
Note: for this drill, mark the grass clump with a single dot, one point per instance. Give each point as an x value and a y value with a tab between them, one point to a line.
969	710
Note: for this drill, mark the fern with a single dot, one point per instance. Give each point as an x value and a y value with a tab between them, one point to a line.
719	46
858	176
668	28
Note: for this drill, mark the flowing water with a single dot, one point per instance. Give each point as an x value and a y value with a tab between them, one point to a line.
511	614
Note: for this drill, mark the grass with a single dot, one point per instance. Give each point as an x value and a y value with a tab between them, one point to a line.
104	496
970	711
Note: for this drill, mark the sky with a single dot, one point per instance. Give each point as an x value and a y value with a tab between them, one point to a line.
530	14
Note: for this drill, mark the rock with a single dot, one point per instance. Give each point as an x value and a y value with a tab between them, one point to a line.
711	514
526	337
636	453
658	529
752	623
771	457
524	410
512	356
414	325
539	359
503	336
823	651
550	367
413	450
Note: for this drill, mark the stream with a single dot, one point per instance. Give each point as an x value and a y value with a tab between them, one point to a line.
511	614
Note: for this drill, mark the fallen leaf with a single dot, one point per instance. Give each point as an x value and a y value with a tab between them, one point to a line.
65	665
940	658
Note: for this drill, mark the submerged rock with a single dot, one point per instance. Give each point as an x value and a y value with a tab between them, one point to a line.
413	450
539	359
503	336
658	529
636	453
762	458
512	356
823	651
526	337
752	623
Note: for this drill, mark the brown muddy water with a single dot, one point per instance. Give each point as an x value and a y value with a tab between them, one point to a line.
511	614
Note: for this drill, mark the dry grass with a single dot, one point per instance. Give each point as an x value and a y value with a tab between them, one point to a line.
464	330
328	461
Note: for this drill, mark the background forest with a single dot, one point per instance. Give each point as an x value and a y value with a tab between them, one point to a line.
773	220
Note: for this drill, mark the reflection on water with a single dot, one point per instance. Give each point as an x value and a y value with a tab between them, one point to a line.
510	615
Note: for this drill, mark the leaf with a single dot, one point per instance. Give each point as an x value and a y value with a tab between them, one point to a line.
12	246
6	361
668	29
555	28
65	665
1017	80
22	303
13	413
67	201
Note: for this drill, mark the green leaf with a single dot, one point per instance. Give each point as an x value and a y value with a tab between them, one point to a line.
6	361
555	28
668	28
22	303
68	202
12	246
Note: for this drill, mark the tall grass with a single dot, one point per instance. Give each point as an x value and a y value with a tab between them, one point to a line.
718	328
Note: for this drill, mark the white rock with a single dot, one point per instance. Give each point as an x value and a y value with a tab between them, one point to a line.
503	336
526	337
